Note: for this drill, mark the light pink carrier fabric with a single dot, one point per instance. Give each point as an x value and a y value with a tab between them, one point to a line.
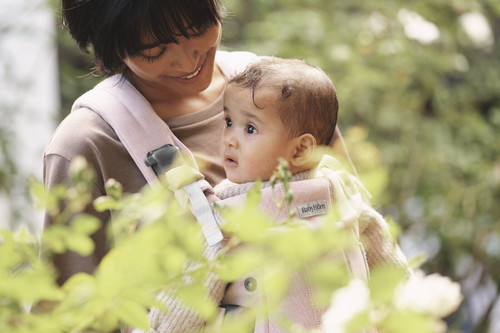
133	119
111	103
298	305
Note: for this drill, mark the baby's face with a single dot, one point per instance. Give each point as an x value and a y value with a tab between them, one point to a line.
254	137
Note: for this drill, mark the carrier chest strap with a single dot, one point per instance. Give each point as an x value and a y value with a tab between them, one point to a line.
203	213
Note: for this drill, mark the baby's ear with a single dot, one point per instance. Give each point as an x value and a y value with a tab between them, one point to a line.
304	149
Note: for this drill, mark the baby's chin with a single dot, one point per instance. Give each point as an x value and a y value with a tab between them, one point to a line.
241	179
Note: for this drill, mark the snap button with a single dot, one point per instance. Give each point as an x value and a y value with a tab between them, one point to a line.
250	284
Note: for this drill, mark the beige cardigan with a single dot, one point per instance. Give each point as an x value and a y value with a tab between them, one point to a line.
373	230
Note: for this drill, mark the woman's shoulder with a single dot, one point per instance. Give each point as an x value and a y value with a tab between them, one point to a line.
82	132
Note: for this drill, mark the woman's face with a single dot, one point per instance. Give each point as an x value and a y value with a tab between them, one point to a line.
177	69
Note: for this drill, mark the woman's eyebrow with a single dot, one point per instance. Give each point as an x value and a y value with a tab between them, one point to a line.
156	44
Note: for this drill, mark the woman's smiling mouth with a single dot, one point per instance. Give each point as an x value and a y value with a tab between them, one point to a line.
190	76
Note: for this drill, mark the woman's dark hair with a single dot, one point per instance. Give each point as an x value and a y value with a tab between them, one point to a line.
115	29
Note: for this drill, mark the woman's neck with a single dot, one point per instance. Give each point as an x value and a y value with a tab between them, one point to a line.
169	106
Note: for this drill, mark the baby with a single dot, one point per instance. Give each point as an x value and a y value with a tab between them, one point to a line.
286	108
277	108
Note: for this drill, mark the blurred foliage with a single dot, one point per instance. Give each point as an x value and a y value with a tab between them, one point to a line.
421	119
167	253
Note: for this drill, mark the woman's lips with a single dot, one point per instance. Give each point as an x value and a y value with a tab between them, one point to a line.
194	75
190	76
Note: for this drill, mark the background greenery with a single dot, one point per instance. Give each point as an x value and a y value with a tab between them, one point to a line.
421	119
432	110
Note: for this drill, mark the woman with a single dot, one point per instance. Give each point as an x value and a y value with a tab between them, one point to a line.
167	50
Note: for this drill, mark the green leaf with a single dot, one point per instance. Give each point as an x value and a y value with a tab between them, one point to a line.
409	322
304	249
55	238
80	244
173	260
114	188
417	261
383	282
359	323
195	296
276	280
31	286
85	224
327	275
104	203
81	291
38	192
132	314
240	262
247	223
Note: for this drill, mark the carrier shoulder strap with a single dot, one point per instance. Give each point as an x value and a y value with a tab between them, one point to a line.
142	131
133	119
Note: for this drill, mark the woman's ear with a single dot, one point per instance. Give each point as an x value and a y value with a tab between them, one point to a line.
304	147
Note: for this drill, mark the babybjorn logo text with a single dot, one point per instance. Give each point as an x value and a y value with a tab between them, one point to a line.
312	208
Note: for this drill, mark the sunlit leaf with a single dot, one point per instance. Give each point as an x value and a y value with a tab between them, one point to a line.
106	203
132	314
412	323
80	244
85	224
240	262
194	296
383	282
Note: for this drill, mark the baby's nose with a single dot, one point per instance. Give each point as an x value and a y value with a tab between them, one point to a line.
230	140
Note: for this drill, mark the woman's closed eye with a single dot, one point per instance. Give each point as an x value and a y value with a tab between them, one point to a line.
154	53
197	34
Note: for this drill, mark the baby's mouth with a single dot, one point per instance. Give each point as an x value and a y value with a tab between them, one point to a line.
230	162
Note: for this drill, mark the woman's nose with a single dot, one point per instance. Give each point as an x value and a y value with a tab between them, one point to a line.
187	57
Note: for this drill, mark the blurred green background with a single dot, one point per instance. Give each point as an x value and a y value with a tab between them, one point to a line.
419	90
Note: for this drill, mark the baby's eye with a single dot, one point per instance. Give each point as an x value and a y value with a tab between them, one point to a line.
228	122
251	129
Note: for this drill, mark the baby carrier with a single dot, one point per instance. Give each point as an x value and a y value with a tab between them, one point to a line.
133	119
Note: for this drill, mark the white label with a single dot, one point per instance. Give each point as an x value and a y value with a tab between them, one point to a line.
312	208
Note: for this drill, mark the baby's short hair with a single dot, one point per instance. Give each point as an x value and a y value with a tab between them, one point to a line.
305	96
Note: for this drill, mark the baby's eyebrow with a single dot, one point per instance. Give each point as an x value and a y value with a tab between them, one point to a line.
252	116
